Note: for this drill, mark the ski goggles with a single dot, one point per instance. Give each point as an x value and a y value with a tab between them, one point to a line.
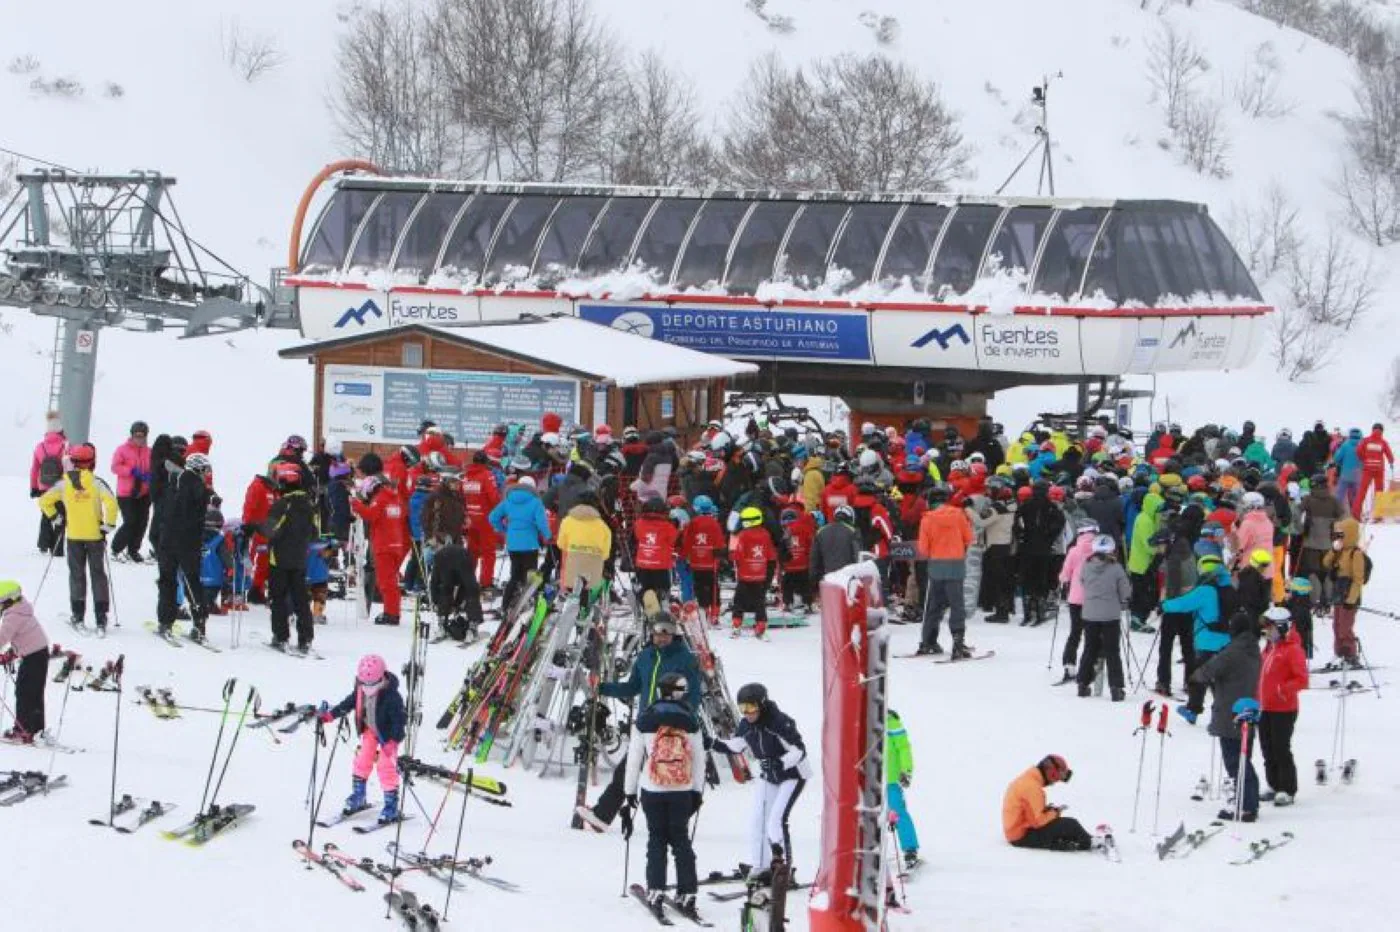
748	707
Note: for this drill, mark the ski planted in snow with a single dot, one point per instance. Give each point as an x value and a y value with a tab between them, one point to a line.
1257	849
149	814
330	865
657	910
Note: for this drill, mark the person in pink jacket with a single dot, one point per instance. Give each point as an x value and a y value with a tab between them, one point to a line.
1075	559
46	467
1254	531
131	464
21	636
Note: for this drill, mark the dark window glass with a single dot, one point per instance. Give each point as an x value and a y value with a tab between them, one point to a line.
1158	257
423	240
708	246
1236	281
1019	237
862	239
331	241
611	242
466	251
563	241
1104	263
960	255
757	247
662	238
381	231
809	243
1067	252
514	251
912	244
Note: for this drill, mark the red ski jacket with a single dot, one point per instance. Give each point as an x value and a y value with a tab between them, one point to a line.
257	501
800	535
383	513
654	540
1283	673
752	550
702	542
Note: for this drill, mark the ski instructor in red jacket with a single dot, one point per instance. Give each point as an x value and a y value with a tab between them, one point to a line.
1375	455
377	502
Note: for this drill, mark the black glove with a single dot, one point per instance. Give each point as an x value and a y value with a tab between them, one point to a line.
629	806
697	799
905	779
35	493
772	769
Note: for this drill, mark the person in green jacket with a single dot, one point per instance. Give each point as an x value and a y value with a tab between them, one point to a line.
899	773
1142	561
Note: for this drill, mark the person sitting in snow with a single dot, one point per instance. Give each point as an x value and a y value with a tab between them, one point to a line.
1030	822
381	720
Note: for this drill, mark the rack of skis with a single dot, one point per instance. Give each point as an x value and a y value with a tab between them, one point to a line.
532	698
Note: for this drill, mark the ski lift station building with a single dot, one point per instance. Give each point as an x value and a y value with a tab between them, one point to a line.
894	302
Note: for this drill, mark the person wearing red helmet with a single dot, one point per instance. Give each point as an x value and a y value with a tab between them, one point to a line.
201	441
377	503
1028	821
289	530
88	513
258	499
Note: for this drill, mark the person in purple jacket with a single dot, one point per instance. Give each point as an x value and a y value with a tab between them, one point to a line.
131	464
21	636
45	469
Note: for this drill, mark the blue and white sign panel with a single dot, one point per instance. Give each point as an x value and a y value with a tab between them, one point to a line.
375	404
816	335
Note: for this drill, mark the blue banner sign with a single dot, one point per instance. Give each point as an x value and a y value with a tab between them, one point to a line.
806	336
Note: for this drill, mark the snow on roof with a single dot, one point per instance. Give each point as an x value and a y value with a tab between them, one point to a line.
566	344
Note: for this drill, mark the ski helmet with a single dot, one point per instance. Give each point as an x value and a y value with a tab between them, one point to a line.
371	669
1209	563
1280	618
1261	558
198	463
1104	544
296	443
752	694
703	505
1057	494
672	685
751	517
845	514
10	593
83	456
1251	501
1301	585
937	495
1055	769
1023	494
1088	527
654	506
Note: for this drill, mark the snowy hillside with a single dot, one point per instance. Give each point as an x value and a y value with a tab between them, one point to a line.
243	148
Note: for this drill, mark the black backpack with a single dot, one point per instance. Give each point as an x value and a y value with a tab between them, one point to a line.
50	470
1228	598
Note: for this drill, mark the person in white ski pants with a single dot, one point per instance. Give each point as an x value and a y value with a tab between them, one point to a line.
772	737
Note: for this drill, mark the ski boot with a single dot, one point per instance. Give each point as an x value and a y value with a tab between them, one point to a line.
197	630
1186	712
932	650
390	812
1228	815
685	905
18	735
1321	766
760	630
656	901
76	619
998	618
1140	625
911	860
590	819
385	618
960	650
1283	799
1163	689
1084	691
182	613
101	620
356	800
1068	676
1116	695
302	649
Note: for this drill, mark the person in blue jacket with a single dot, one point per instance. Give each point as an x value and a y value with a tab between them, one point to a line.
1210	603
319	554
521	517
1348	463
416	576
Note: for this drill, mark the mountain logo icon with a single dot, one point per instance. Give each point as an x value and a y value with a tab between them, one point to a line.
1187	333
944	338
359	314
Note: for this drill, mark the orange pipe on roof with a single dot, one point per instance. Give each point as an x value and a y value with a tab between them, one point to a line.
336	167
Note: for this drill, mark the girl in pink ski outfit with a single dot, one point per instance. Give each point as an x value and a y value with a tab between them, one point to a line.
1075	558
380	719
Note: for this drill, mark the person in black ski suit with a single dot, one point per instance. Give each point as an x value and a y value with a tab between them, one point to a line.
181	543
289	529
1106	509
773	739
1036	529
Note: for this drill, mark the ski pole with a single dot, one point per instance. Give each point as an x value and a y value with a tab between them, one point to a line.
44	578
111	586
253	701
626	853
1147	657
407	789
330	762
1142	729
1162	736
1054	631
457	848
63	710
1366	661
218	741
116	736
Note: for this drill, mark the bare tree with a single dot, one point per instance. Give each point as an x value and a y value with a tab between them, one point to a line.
780	23
1257	89
1370	182
534	82
857	123
1390	391
1303	15
22	65
1301	347
1204	138
1174	64
1331	284
391	102
1266	233
249	55
1372	198
657	129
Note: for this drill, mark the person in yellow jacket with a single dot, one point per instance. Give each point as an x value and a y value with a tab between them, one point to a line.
89	511
584	541
813	483
1028	821
1347	563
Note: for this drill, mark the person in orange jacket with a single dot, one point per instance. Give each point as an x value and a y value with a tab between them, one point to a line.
377	502
1028	821
945	533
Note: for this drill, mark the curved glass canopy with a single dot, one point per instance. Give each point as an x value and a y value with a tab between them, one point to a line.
485	234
